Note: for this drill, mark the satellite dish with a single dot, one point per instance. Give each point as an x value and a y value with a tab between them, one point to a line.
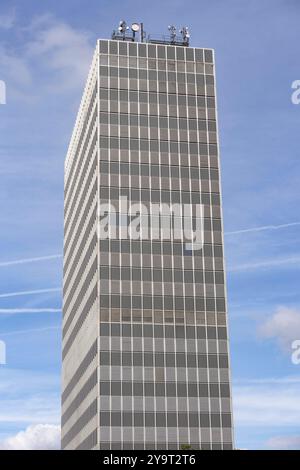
135	27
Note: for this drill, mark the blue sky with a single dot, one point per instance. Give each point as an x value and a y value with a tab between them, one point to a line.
45	52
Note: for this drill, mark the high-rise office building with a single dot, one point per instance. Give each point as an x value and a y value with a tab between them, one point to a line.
145	345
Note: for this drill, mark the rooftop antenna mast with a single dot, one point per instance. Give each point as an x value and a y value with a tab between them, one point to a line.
143	34
123	28
173	33
185	35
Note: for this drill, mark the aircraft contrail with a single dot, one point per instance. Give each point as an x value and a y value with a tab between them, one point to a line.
29	260
29	310
263	228
265	264
33	330
30	292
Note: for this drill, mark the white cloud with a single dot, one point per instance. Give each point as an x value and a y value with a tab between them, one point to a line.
274	403
283	326
34	407
29	382
7	21
29	397
62	49
15	69
51	56
35	437
284	443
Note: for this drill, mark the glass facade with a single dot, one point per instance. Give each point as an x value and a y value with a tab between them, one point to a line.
154	311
